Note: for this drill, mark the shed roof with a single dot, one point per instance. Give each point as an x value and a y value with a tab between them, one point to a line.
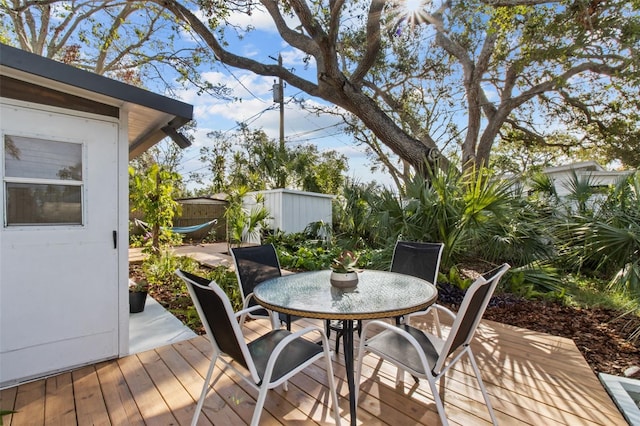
590	165
151	117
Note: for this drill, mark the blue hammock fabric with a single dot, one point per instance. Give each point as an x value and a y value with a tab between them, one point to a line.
180	229
192	228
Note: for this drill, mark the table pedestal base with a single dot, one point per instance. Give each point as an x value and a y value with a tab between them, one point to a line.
347	339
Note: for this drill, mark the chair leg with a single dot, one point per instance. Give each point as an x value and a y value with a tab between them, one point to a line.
257	411
205	391
327	329
482	388
399	376
436	320
359	357
288	322
275	321
332	386
438	401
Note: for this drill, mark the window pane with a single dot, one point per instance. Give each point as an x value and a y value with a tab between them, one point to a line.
36	204
42	159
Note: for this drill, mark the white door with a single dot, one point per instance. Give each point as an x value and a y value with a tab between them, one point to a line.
58	261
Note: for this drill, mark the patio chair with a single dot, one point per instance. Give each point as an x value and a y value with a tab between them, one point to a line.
269	360
255	264
418	259
428	356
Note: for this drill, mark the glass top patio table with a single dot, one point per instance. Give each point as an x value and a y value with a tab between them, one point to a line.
379	294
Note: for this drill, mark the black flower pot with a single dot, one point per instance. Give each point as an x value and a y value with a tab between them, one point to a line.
137	300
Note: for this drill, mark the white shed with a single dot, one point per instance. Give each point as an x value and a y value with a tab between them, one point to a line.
67	136
291	210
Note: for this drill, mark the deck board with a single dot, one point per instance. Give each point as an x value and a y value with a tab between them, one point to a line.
532	379
117	395
60	406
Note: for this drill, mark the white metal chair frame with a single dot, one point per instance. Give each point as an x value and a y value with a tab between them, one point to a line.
428	353
261	383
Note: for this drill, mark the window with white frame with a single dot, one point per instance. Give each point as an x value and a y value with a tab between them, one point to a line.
43	182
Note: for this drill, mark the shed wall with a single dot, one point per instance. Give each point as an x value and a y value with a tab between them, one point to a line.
292	211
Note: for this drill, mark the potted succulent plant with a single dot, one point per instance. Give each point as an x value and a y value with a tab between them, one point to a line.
137	295
344	270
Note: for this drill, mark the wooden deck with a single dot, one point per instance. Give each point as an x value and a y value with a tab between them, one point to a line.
532	378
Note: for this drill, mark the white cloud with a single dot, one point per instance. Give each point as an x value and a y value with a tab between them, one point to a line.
259	19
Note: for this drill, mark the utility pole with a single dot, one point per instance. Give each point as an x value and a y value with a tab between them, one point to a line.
278	96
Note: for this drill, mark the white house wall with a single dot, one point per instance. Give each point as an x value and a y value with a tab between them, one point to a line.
562	180
123	233
64	288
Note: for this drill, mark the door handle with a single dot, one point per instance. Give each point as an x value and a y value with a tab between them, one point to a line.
115	239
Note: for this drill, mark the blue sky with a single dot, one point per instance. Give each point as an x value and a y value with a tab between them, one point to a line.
258	109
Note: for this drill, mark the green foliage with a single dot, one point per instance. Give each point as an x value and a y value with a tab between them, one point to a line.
250	158
305	258
243	222
5	413
139	286
345	262
354	223
534	281
159	268
474	214
136	241
227	280
592	292
454	277
151	192
607	240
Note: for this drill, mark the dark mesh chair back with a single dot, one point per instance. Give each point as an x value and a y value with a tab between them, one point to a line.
418	259
216	317
254	265
472	309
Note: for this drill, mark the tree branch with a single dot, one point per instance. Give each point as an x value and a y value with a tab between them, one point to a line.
231	59
373	43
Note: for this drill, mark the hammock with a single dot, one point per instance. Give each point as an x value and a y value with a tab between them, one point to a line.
192	228
179	229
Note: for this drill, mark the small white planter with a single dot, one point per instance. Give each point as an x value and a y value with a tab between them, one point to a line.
344	279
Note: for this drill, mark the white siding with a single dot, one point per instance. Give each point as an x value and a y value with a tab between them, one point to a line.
562	180
291	211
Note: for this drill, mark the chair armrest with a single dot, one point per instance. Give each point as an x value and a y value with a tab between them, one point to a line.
246	300
304	331
371	323
436	307
241	315
245	311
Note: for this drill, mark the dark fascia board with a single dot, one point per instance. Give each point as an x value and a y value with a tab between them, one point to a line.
21	60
